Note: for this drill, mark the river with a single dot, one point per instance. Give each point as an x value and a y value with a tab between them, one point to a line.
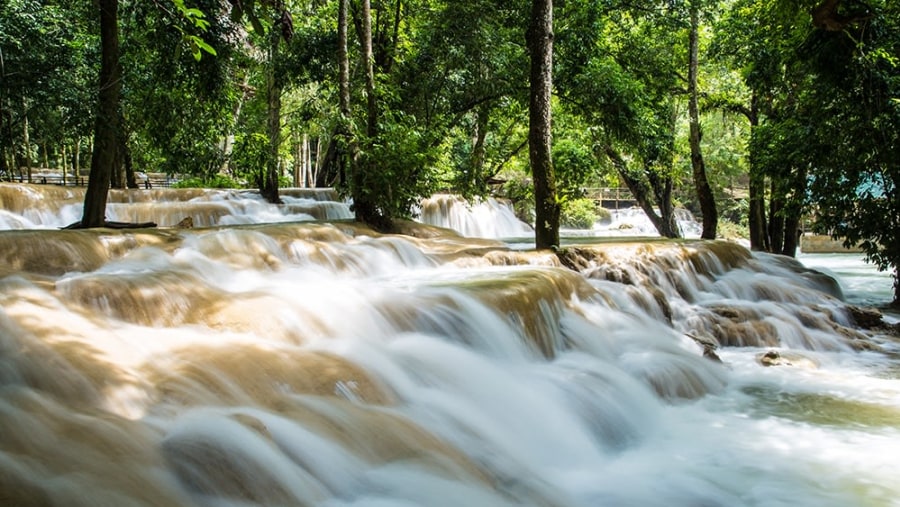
288	357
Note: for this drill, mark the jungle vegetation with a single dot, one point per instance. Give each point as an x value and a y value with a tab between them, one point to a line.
778	115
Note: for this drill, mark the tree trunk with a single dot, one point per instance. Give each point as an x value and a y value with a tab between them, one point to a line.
127	160
4	165
76	164
26	140
776	220
756	215
316	163
642	190
539	39
228	141
701	183
759	237
339	154
896	302
268	182
4	128
792	215
364	204
64	164
106	124
123	169
297	151
662	190
477	181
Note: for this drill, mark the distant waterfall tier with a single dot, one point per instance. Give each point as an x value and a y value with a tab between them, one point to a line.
483	218
48	206
495	218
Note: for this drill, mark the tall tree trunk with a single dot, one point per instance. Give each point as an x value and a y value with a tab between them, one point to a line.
704	192
125	154
339	158
76	164
643	195
106	125
4	124
26	140
793	215
759	237
64	165
539	39
4	165
477	181
662	186
297	151
123	169
776	219
228	141
268	183
896	302
317	163
364	204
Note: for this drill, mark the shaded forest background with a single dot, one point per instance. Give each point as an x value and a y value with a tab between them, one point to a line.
764	116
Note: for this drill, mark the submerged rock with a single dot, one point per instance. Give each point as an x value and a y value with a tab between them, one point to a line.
777	358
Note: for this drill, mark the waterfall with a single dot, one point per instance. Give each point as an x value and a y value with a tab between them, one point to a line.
495	219
321	363
51	207
483	218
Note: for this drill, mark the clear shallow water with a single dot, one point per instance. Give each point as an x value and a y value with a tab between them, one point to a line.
861	281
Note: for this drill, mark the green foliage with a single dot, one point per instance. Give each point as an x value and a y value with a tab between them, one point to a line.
829	134
196	19
575	167
520	192
177	109
726	229
452	98
735	211
578	214
251	152
401	160
214	181
47	50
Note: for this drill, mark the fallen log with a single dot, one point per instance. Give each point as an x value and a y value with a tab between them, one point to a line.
115	225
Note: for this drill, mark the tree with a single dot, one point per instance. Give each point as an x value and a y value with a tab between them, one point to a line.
761	37
107	130
701	183
825	120
363	179
106	127
539	39
44	81
619	73
852	128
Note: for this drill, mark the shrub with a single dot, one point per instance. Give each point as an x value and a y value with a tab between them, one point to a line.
216	181
578	214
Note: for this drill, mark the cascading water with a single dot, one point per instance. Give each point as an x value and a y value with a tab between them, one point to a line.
495	219
50	207
487	218
324	364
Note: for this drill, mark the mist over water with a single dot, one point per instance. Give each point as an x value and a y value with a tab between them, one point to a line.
267	358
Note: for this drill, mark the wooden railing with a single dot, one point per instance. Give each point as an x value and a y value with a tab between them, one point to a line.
153	180
611	197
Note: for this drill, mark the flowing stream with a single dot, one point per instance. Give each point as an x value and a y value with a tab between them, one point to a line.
284	356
